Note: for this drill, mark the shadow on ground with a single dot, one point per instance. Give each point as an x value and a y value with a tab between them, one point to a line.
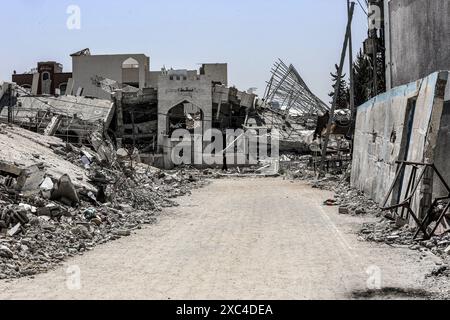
392	293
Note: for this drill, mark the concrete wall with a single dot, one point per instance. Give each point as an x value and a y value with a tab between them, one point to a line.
85	68
218	72
3	88
385	135
442	151
153	78
417	39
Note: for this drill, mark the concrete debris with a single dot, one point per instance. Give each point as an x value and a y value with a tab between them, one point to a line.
390	232
5	252
69	213
30	179
65	192
122	153
12	232
104	149
19	146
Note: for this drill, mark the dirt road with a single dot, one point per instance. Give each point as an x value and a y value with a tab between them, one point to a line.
235	239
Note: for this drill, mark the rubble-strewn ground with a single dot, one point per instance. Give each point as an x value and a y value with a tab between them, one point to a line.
241	239
83	202
59	201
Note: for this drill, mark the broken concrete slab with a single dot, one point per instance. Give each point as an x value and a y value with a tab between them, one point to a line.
47	184
19	146
30	180
10	168
103	147
5	252
15	230
53	126
122	153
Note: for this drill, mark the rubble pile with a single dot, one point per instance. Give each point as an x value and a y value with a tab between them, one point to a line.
355	202
349	200
390	232
45	219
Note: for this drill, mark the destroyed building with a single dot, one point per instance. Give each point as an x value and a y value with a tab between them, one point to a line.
145	106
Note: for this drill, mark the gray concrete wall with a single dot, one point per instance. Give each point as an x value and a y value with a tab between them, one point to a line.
381	136
417	40
85	68
218	72
152	78
442	151
3	88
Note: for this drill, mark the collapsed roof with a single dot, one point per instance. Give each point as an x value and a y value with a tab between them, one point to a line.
85	109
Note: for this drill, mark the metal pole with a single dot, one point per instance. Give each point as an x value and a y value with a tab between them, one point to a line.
352	83
336	92
134	129
375	71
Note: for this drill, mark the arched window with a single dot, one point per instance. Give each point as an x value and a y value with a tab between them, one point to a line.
63	88
130	72
45	76
130	63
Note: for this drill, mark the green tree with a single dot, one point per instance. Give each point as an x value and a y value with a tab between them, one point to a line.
343	100
381	75
362	79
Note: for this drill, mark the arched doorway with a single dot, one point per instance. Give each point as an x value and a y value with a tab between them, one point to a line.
184	115
130	72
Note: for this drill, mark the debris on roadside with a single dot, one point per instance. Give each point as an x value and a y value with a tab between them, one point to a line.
50	211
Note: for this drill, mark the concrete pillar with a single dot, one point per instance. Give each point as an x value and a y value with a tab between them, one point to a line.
119	116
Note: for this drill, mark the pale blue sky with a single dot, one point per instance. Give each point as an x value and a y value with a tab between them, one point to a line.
248	34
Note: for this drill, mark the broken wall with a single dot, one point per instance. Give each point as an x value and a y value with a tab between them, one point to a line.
87	68
401	124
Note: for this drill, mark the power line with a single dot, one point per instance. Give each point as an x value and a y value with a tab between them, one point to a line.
364	10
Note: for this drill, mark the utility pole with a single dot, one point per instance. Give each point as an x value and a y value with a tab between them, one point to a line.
336	90
350	58
375	64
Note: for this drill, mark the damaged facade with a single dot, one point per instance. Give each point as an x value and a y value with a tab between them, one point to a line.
120	97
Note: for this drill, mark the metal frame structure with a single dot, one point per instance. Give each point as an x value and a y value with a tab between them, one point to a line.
287	88
415	179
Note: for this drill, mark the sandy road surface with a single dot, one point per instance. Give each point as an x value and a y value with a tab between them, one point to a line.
235	239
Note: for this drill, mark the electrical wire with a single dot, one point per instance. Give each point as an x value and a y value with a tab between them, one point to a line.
364	10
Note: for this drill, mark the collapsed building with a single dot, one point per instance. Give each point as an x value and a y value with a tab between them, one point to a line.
132	106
